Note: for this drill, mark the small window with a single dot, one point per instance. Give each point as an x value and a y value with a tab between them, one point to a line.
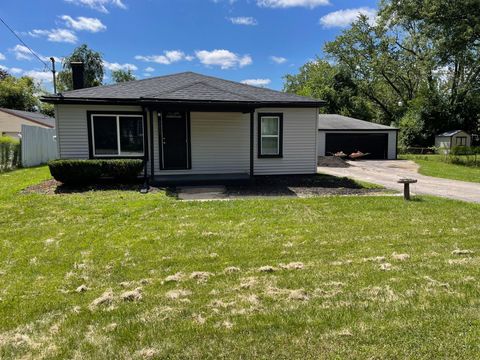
270	135
461	141
117	135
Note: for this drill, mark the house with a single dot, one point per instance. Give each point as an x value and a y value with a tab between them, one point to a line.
341	133
189	126
11	121
449	139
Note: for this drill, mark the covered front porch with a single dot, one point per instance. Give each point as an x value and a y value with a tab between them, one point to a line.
199	145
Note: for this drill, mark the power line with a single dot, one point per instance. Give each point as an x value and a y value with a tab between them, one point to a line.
23	43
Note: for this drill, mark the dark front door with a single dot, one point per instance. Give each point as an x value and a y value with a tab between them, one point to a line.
174	141
376	145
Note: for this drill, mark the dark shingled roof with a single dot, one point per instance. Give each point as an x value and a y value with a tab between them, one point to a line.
340	122
187	86
35	117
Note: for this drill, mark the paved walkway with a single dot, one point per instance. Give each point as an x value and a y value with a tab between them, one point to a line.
387	172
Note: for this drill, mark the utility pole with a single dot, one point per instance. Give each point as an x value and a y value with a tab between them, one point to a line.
52	59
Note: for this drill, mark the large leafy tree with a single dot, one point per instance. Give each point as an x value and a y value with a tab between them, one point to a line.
18	93
93	68
332	83
418	65
119	76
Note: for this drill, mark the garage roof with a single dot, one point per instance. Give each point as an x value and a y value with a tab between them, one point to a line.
340	122
35	117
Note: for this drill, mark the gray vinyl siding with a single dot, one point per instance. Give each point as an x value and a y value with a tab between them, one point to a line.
299	143
72	130
220	144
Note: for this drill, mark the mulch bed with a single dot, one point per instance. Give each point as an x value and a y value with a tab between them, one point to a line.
299	185
282	185
53	187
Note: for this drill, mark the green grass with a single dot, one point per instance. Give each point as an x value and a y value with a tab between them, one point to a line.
434	165
423	307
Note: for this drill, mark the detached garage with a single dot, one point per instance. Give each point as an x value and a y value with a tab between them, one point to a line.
341	133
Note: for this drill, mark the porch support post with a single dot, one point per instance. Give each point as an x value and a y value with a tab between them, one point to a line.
252	118
146	148
152	154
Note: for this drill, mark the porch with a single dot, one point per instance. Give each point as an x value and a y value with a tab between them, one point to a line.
200	146
196	179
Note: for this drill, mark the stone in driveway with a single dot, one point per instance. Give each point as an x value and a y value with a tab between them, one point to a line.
202	192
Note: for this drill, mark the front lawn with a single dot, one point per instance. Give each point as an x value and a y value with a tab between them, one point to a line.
434	165
90	276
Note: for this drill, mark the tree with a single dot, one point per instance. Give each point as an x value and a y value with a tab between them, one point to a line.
120	75
93	68
417	65
47	109
18	93
3	74
332	83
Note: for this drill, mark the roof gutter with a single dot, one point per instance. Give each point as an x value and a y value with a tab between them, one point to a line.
153	102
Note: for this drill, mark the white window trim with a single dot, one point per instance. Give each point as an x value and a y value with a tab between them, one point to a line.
119	151
270	136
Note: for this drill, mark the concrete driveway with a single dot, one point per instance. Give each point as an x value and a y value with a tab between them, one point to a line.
387	172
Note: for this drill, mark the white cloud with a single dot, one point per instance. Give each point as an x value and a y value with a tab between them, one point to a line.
343	18
278	59
243	20
116	66
149	69
2	57
257	82
292	3
56	35
223	58
168	57
15	70
39	76
21	52
99	5
84	23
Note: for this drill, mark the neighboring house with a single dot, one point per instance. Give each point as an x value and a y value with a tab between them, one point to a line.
11	121
341	133
450	139
190	126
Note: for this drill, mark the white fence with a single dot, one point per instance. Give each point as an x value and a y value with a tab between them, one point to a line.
39	145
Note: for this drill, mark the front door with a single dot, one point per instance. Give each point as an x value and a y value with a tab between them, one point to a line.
174	141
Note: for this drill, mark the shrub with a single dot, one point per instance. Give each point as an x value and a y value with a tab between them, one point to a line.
124	169
9	153
89	171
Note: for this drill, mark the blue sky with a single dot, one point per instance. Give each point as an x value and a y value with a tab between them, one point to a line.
256	41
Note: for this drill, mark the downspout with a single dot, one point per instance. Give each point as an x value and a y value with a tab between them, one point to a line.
252	119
